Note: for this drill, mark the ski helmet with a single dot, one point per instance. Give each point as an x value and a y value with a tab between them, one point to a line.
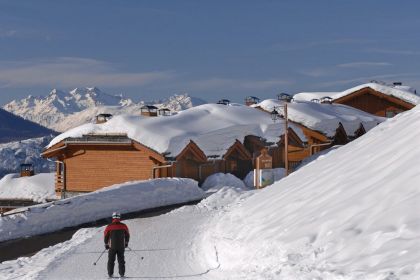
116	215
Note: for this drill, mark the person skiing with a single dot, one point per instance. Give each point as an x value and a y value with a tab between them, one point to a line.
116	237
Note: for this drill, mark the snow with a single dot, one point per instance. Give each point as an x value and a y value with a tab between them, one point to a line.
61	110
278	175
318	155
349	215
169	250
324	118
13	154
213	127
126	197
352	214
39	187
217	181
405	93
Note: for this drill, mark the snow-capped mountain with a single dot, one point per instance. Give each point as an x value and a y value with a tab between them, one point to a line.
27	151
61	110
13	128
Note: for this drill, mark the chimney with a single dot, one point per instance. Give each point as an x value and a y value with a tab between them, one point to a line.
251	100
26	170
284	97
103	118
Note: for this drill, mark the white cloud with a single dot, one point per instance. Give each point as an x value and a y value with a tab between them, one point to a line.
7	33
74	71
393	51
363	64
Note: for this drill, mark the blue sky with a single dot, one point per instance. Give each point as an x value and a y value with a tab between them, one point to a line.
210	49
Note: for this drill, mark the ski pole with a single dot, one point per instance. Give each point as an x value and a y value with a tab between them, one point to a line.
135	253
99	257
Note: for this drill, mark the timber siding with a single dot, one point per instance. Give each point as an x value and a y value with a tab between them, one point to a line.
374	102
91	167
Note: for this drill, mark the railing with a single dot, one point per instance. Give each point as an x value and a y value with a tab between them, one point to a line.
59	180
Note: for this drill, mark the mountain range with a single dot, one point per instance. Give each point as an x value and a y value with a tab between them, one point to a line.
61	110
15	128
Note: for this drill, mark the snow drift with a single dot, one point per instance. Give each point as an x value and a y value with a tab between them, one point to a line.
352	214
127	197
39	187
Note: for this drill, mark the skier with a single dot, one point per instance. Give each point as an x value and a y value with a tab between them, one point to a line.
116	237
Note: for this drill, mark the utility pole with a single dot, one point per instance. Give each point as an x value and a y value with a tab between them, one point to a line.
286	140
275	115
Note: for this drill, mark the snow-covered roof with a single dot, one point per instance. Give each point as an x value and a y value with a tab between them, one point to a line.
404	93
213	127
39	187
324	118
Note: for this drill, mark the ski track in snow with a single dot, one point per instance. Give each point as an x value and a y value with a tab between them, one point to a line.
170	251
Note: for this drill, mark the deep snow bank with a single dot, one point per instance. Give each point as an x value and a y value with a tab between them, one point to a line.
352	214
217	181
39	187
127	197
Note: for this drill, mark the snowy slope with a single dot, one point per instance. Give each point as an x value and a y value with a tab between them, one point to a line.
405	93
26	151
127	197
169	251
352	214
61	110
213	127
39	187
324	118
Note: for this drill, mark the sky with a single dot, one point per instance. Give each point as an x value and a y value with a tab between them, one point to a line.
148	50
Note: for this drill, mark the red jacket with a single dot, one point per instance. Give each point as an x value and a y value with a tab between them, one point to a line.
116	235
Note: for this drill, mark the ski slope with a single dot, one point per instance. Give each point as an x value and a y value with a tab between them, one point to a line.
351	214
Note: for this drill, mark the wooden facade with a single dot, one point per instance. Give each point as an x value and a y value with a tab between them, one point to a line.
375	102
297	150
84	166
187	163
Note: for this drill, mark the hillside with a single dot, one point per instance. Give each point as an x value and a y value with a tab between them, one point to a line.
13	128
352	214
61	110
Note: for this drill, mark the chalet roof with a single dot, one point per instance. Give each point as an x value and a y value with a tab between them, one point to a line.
325	117
148	107
404	93
214	128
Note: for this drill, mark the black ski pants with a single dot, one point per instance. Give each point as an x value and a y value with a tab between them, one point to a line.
111	260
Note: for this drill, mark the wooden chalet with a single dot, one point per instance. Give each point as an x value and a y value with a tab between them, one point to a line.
296	149
92	162
164	112
375	102
193	163
149	111
340	136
